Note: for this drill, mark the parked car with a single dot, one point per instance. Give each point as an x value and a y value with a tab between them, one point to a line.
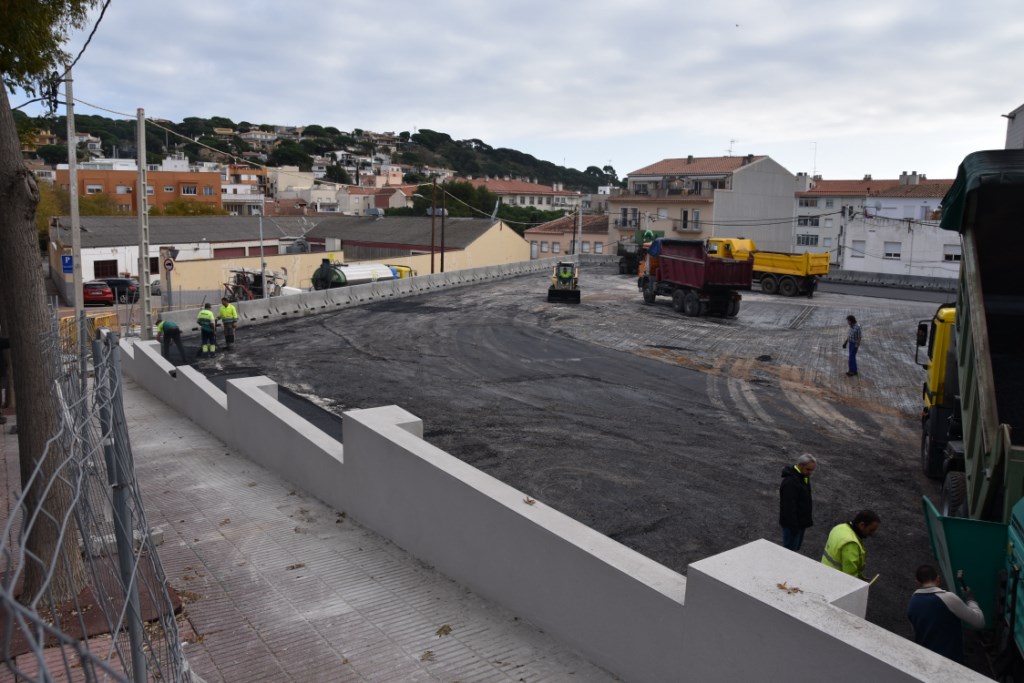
154	286
97	292
126	289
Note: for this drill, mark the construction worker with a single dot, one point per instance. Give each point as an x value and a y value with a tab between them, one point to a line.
228	315
938	615
167	331
844	549
207	331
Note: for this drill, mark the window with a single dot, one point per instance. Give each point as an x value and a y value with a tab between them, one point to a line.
123	189
950	252
598	247
828	222
556	247
544	247
892	250
808	201
829	203
807	221
154	265
640	188
168	188
807	240
208	190
93	189
586	247
662	214
826	242
533	200
105	268
533	249
857	248
189	189
696	219
149	190
522	199
548	200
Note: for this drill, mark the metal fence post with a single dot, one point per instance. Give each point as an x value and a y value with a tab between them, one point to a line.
106	366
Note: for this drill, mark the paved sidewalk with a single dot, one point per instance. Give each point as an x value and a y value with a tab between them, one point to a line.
280	587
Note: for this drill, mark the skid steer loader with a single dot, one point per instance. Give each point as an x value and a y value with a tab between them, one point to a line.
565	283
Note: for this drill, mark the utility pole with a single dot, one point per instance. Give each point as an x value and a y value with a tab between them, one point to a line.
444	211
433	213
143	208
579	229
76	238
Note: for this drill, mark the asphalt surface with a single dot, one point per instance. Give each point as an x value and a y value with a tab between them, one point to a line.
664	432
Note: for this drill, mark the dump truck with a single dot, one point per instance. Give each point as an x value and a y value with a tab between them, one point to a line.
973	402
631	253
697	282
330	275
565	283
778	272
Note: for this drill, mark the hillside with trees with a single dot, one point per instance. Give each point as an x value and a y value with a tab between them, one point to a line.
202	139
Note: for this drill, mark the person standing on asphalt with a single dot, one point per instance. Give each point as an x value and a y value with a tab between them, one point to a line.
207	331
167	331
795	501
844	549
853	342
228	315
937	615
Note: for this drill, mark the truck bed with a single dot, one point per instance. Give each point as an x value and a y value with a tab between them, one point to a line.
797	265
685	262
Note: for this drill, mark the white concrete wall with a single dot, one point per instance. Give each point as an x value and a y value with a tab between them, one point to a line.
619	609
921	248
759	206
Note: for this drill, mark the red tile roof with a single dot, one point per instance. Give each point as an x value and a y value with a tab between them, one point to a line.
592	224
925	188
698	165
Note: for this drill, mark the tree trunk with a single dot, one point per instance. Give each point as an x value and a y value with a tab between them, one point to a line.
24	310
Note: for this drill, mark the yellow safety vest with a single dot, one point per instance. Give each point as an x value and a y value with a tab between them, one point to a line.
228	313
839	540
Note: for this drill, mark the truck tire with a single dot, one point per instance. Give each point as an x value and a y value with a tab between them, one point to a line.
649	295
788	287
622	268
678	302
769	285
691	304
732	309
932	457
954	495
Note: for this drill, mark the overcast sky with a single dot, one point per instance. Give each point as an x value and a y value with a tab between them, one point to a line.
838	88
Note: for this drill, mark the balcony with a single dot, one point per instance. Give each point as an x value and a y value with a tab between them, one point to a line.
670	193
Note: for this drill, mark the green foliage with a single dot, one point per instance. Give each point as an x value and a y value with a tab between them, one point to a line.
336	174
522	217
289	153
53	154
187	207
32	35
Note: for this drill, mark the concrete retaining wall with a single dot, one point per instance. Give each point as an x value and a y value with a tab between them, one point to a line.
621	610
309	303
937	284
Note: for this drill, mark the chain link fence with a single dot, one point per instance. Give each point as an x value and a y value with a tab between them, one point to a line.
83	596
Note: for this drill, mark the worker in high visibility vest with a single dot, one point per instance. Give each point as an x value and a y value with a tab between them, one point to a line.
228	315
844	549
207	331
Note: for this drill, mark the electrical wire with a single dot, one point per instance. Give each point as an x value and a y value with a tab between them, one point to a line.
87	40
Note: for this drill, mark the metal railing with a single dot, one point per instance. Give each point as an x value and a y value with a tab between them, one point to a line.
83	596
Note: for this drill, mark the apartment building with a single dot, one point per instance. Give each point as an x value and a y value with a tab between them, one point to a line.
700	197
527	193
161	186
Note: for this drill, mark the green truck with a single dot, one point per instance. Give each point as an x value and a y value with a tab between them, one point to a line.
973	402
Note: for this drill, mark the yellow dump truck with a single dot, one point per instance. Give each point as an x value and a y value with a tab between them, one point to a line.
785	274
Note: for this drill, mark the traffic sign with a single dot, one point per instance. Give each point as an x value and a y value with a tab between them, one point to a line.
67	263
168	264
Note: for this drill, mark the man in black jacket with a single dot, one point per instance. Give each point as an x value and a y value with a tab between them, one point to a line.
795	501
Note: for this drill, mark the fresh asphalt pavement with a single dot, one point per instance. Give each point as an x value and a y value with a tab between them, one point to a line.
664	432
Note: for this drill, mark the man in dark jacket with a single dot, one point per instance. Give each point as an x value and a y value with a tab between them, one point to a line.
938	615
795	501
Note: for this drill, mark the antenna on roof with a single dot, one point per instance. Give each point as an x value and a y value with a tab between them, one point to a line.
731	143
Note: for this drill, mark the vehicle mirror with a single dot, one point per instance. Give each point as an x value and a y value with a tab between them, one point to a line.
922	334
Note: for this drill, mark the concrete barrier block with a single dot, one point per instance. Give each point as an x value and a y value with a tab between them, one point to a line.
338	297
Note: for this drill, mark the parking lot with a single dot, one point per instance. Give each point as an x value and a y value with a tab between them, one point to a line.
664	432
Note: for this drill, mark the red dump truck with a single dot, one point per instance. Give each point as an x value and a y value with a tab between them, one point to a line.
697	282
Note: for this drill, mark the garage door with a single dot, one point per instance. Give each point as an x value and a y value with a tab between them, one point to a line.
228	252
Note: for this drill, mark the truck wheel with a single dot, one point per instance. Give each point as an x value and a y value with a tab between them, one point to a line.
649	295
732	309
954	495
788	287
691	304
932	457
769	285
678	302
